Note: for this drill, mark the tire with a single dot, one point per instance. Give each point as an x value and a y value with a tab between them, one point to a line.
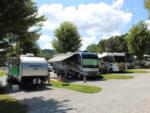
27	85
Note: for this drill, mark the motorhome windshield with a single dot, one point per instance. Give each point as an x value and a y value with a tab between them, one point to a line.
90	63
120	58
90	60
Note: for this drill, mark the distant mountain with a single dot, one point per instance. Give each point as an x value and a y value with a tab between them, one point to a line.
47	51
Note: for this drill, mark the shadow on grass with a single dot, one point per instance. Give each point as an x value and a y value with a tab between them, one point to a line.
42	105
8	89
36	105
10	105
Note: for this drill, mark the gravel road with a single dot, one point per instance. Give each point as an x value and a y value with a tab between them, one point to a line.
117	96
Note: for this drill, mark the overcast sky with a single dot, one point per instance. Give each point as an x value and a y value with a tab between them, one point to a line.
95	19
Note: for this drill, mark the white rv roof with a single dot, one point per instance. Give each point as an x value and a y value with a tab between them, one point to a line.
146	55
61	57
1	50
110	54
25	59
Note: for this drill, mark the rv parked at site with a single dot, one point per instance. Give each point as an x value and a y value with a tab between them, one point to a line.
112	62
77	64
27	71
130	61
146	61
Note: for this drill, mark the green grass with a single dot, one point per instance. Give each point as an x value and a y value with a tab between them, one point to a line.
136	71
76	87
116	76
2	73
10	105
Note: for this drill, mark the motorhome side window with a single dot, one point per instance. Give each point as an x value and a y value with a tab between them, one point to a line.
76	59
120	58
105	59
111	59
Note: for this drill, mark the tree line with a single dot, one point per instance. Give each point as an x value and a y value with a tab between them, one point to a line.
136	41
21	25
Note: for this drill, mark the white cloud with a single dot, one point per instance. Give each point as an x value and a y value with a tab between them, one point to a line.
117	4
88	40
148	23
92	20
45	42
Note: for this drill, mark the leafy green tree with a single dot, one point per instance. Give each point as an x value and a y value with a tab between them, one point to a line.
17	17
92	48
138	39
116	44
47	53
113	44
101	46
67	38
147	5
34	48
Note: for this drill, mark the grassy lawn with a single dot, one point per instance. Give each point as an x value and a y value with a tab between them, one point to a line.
10	105
2	73
76	87
136	71
116	76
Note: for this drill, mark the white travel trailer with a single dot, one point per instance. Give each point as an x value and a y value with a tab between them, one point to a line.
77	64
113	62
27	71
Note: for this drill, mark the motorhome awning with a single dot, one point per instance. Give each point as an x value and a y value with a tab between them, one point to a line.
61	57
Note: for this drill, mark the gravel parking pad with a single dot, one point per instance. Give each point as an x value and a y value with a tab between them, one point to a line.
117	96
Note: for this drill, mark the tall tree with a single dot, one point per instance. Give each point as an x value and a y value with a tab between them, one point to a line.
101	46
116	44
138	39
147	5
16	19
92	48
113	44
67	38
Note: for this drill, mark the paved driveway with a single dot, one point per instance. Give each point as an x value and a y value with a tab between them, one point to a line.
117	96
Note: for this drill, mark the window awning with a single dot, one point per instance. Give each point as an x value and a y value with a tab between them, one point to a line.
61	57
